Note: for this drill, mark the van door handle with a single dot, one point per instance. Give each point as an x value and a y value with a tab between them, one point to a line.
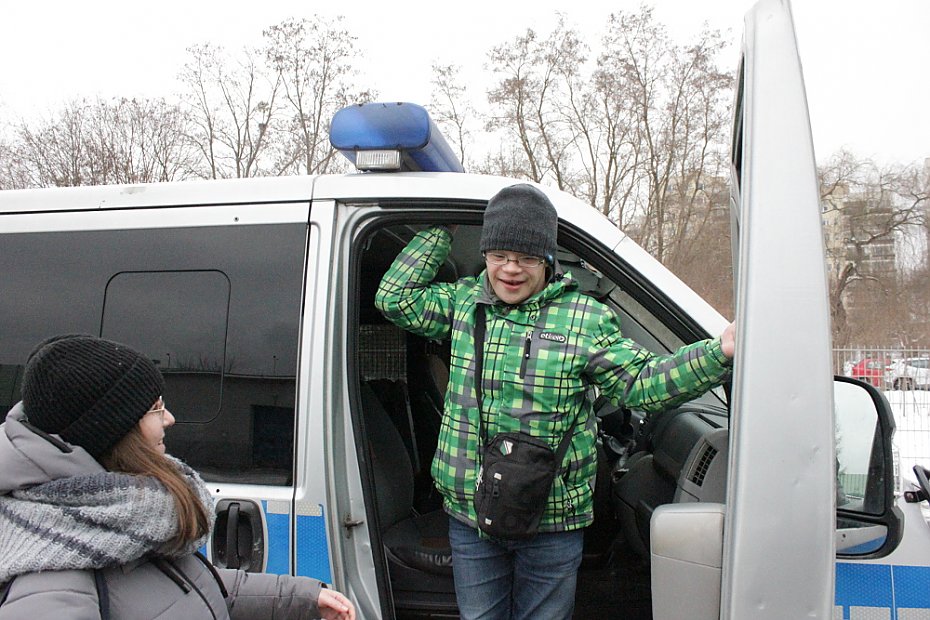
238	535
232	530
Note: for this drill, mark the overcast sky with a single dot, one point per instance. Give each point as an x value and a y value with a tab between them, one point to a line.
865	62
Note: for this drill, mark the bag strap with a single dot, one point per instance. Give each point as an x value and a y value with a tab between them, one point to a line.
481	321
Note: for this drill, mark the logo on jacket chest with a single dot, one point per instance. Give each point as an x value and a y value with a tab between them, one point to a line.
552	336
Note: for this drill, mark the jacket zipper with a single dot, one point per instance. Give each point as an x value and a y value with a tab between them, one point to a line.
526	353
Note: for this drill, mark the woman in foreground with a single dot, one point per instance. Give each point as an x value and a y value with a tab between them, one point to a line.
96	521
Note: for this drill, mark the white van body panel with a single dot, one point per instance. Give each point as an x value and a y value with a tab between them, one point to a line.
175	194
181	216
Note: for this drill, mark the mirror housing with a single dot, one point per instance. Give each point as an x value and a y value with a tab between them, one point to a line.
868	523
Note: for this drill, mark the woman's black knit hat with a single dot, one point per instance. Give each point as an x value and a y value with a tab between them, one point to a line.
521	218
88	390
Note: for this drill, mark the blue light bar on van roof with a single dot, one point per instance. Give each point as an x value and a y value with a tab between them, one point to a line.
391	136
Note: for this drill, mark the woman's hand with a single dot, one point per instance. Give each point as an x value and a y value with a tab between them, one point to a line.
335	606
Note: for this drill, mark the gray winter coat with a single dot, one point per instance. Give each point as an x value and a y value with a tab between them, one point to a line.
183	588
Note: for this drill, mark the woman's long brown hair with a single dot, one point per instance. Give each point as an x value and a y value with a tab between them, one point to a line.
133	455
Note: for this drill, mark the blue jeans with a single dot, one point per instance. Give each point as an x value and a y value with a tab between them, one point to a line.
515	579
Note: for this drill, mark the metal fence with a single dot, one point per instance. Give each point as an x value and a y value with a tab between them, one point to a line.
908	396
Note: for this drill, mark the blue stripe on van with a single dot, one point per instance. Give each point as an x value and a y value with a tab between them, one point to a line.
863	585
312	546
911	589
279	541
882	586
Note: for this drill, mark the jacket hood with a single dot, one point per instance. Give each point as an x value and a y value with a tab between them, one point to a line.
28	459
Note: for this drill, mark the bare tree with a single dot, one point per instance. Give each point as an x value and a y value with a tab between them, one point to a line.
525	98
680	102
451	108
867	208
172	154
701	253
603	121
137	141
915	304
53	151
572	121
101	142
12	172
231	105
312	60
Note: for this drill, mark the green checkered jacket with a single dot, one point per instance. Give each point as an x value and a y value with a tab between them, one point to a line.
541	357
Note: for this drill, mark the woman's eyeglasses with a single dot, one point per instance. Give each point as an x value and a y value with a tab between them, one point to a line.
159	409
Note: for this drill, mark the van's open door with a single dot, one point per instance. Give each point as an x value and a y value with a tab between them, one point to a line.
775	532
778	542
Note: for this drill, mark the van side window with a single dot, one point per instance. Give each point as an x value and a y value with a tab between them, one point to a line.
217	308
186	317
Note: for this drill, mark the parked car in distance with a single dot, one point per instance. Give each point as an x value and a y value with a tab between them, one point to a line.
870	370
909	373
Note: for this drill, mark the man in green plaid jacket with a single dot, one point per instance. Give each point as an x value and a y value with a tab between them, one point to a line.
546	344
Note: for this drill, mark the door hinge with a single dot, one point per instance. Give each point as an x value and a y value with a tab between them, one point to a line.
349	523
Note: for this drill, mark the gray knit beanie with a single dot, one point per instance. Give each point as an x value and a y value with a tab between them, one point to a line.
88	390
521	218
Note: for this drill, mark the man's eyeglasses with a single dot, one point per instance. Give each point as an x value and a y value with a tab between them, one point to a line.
527	262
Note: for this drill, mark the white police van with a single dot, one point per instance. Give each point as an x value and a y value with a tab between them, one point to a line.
314	420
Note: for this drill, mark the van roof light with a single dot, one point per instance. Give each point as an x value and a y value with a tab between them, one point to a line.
378	160
391	136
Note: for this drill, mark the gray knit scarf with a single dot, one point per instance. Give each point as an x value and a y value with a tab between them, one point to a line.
91	521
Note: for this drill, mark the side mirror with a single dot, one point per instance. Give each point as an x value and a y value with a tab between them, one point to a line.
868	524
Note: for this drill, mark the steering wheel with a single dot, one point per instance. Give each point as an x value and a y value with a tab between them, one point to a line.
616	428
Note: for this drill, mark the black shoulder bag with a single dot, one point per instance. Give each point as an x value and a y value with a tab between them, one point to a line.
516	470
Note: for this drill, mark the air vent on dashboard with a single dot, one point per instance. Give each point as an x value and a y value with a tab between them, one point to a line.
703	464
